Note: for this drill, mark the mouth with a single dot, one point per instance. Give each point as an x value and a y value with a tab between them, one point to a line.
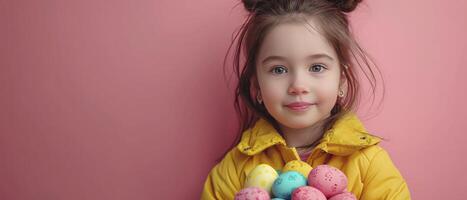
299	106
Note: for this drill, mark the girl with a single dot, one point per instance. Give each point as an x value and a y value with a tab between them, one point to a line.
296	95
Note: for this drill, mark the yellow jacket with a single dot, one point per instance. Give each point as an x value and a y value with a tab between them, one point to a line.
347	146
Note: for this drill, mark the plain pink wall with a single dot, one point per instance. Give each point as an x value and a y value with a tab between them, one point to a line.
126	99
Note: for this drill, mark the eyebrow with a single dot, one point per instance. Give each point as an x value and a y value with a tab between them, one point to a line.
314	56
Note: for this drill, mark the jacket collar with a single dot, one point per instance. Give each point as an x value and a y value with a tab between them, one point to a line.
346	136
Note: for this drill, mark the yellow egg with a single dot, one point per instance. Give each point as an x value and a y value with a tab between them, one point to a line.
262	176
298	166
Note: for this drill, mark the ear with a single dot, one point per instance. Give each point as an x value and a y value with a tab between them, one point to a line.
343	82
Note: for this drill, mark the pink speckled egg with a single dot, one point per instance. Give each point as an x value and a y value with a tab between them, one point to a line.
327	179
307	193
252	193
344	196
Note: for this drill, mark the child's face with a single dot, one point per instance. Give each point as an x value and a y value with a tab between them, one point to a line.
297	77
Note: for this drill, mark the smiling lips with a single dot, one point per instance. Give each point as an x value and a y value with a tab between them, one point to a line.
299	106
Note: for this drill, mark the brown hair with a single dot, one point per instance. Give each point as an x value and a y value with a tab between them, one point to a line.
331	17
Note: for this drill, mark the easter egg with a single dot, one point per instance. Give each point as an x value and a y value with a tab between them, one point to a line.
277	199
299	166
278	171
327	179
286	183
307	193
262	176
344	196
252	193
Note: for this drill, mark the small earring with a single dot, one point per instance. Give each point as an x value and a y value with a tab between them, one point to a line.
345	66
258	98
341	93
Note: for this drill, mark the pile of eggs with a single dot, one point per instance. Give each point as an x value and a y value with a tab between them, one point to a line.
297	181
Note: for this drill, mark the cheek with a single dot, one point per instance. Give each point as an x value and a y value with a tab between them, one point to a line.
271	94
327	95
272	90
327	100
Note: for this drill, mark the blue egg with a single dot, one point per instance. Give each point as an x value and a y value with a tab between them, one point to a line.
286	183
277	199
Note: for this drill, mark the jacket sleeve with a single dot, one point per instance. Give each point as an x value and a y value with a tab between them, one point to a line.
222	181
383	180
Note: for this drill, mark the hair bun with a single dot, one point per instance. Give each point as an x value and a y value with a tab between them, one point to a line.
250	5
346	5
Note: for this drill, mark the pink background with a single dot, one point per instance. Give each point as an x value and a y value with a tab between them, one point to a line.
126	99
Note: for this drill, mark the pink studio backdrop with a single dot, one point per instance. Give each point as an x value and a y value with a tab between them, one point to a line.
126	99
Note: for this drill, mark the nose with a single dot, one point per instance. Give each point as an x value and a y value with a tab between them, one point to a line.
298	86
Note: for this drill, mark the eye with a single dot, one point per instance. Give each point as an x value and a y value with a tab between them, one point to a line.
317	68
279	69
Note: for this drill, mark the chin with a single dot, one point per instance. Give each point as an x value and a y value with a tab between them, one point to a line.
299	123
